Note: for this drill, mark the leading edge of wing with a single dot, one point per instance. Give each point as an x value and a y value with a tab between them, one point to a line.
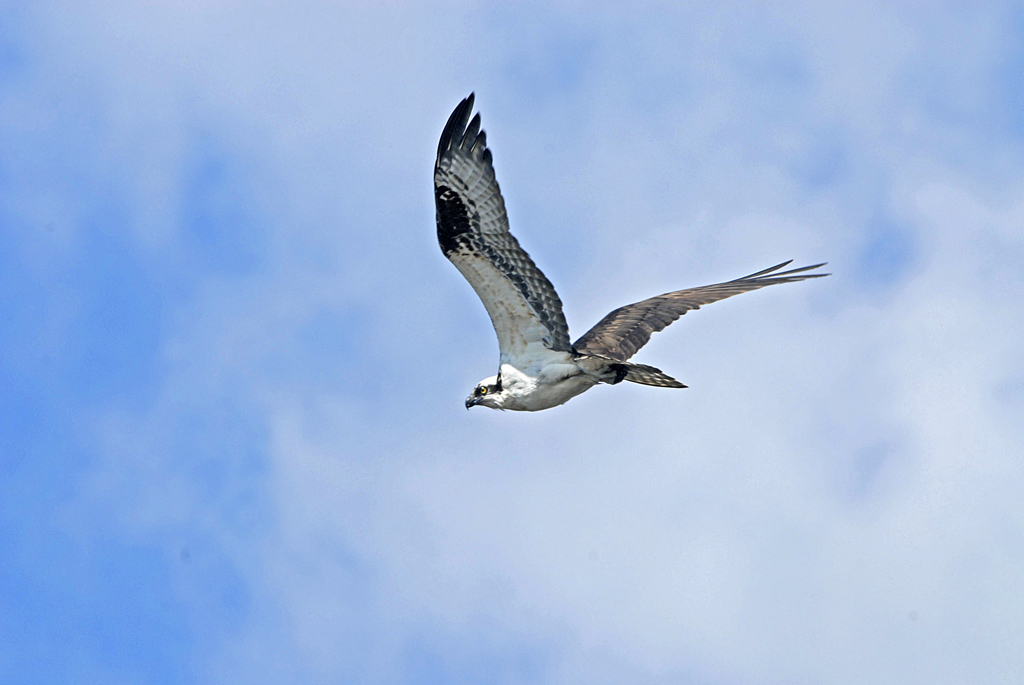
625	330
472	230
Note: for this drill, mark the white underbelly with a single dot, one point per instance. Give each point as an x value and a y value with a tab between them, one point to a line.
547	395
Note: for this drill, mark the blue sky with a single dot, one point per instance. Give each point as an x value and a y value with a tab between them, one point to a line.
232	358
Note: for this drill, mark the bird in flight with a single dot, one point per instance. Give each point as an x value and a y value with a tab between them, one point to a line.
539	368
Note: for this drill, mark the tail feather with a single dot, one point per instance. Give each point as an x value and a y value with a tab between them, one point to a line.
648	375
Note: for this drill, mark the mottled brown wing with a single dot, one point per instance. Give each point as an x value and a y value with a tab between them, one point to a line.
472	229
624	331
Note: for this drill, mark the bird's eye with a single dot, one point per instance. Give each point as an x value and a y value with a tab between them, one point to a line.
482	391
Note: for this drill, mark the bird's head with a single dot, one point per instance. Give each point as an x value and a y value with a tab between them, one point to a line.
487	393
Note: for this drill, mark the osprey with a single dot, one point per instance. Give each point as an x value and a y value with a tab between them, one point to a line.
539	368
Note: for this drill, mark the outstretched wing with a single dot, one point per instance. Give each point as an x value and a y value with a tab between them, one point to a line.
473	232
624	331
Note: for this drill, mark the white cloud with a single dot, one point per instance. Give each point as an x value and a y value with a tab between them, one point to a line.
835	499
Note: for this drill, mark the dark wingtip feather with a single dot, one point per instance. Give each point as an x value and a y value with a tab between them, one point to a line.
805	268
469	137
773	273
456	125
769	270
481	143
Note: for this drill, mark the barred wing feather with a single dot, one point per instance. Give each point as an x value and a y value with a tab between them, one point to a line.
472	230
624	331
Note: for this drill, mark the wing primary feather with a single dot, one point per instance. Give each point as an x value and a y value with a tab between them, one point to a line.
768	270
783	274
456	122
472	130
480	144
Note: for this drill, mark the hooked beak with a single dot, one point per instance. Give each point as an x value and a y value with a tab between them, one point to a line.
472	401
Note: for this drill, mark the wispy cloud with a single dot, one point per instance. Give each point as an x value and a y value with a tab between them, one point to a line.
231	431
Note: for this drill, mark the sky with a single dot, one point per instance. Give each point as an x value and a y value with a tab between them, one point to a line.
233	361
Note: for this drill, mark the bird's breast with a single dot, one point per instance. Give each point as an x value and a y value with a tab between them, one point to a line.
549	386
